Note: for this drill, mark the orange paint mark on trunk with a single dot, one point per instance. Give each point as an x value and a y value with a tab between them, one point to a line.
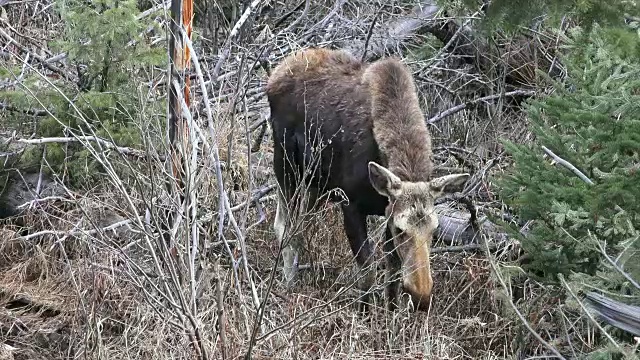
187	20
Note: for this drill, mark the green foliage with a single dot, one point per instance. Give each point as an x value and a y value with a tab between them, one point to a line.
105	36
510	14
105	42
593	122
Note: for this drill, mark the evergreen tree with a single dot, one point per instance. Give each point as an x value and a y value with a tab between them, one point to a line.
105	42
593	122
510	14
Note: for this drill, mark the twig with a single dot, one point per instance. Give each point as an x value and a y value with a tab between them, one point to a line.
513	305
167	295
33	202
34	112
165	5
214	153
437	59
77	232
460	107
284	17
334	10
616	266
220	307
56	58
226	51
121	149
566	286
460	248
256	196
369	33
40	59
391	35
568	165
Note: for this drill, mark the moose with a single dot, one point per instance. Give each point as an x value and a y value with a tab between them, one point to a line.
354	132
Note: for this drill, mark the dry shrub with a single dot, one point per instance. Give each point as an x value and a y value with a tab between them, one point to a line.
62	295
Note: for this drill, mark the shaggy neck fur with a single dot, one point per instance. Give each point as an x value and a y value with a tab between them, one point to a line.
399	127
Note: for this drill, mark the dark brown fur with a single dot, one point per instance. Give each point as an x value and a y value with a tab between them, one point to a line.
400	132
363	113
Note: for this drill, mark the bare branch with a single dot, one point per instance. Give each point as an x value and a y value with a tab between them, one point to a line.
389	36
622	316
34	112
461	107
40	59
513	305
568	165
106	143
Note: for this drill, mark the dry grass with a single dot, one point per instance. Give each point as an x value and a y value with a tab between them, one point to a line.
80	298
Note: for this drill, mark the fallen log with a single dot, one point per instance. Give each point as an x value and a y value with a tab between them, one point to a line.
615	313
456	229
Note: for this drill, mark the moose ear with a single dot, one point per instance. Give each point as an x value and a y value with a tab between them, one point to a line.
384	181
447	183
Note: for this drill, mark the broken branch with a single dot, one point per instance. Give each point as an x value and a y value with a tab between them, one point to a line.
121	149
568	165
461	107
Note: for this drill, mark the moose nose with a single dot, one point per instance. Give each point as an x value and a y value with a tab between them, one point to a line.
417	280
420	299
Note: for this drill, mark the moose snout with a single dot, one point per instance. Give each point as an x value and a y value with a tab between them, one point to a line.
417	280
419	289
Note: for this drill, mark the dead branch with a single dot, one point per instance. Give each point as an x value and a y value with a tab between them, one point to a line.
226	49
522	318
162	6
615	313
21	300
460	248
34	112
388	37
106	143
456	227
284	17
111	227
39	58
568	165
519	59
461	107
213	151
588	313
221	323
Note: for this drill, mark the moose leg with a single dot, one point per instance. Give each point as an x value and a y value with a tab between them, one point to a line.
284	154
392	274
355	225
289	244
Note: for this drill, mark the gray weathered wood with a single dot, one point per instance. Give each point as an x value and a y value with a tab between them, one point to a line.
455	228
615	313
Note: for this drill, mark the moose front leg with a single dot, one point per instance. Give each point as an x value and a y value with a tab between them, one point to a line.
393	270
355	225
290	246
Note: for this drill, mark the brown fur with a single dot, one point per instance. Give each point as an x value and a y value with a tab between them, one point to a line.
398	124
400	131
366	115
